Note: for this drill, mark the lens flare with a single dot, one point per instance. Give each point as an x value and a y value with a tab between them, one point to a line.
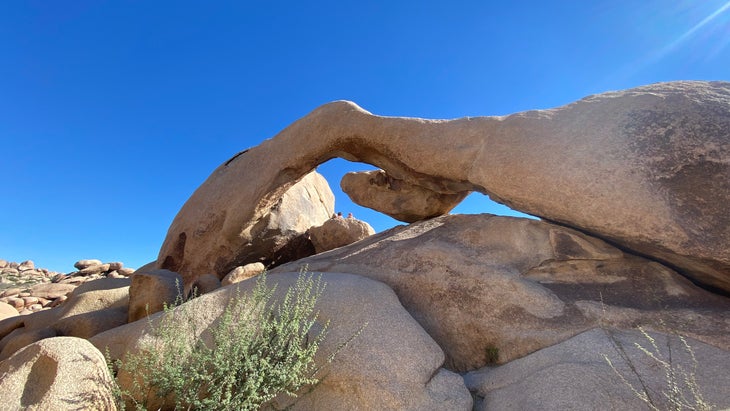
681	39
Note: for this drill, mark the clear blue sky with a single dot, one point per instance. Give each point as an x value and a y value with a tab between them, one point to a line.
113	112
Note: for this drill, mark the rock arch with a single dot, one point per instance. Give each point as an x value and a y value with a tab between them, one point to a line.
645	168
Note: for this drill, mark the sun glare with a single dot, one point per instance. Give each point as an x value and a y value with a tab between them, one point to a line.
707	37
689	33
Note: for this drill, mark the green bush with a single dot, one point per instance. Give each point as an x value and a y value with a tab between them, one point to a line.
260	348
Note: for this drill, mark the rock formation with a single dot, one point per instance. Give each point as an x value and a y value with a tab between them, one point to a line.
397	198
578	371
632	187
338	232
277	235
91	308
393	363
483	283
23	274
151	291
62	373
645	168
243	272
38	289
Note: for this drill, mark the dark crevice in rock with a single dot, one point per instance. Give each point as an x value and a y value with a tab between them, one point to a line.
240	153
632	252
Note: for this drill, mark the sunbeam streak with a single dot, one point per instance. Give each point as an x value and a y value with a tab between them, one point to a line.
693	30
708	25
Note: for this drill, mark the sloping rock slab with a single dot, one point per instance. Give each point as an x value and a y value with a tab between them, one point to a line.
574	375
481	284
392	364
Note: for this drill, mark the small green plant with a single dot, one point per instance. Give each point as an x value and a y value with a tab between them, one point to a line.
681	391
257	350
492	354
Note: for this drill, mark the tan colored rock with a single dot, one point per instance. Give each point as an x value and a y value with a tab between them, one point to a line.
88	324
30	300
97	295
148	267
9	324
126	271
7	311
51	291
61	373
3	263
58	301
81	264
278	236
338	232
32	273
574	375
241	273
644	168
73	280
94	269
16	302
26	266
20	338
11	292
92	308
151	291
478	283
397	198
392	365
307	203
114	266
205	284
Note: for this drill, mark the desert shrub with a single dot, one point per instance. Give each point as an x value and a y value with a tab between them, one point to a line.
681	390
260	348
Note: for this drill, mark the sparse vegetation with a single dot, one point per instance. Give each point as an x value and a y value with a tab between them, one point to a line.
681	390
258	349
492	354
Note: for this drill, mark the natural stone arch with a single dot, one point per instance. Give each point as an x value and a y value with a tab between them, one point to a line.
623	166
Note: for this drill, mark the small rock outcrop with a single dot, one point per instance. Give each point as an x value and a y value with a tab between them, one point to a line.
61	373
151	291
244	272
337	232
94	269
397	198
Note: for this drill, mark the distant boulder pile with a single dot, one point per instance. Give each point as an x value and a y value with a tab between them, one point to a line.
92	270
14	274
25	289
